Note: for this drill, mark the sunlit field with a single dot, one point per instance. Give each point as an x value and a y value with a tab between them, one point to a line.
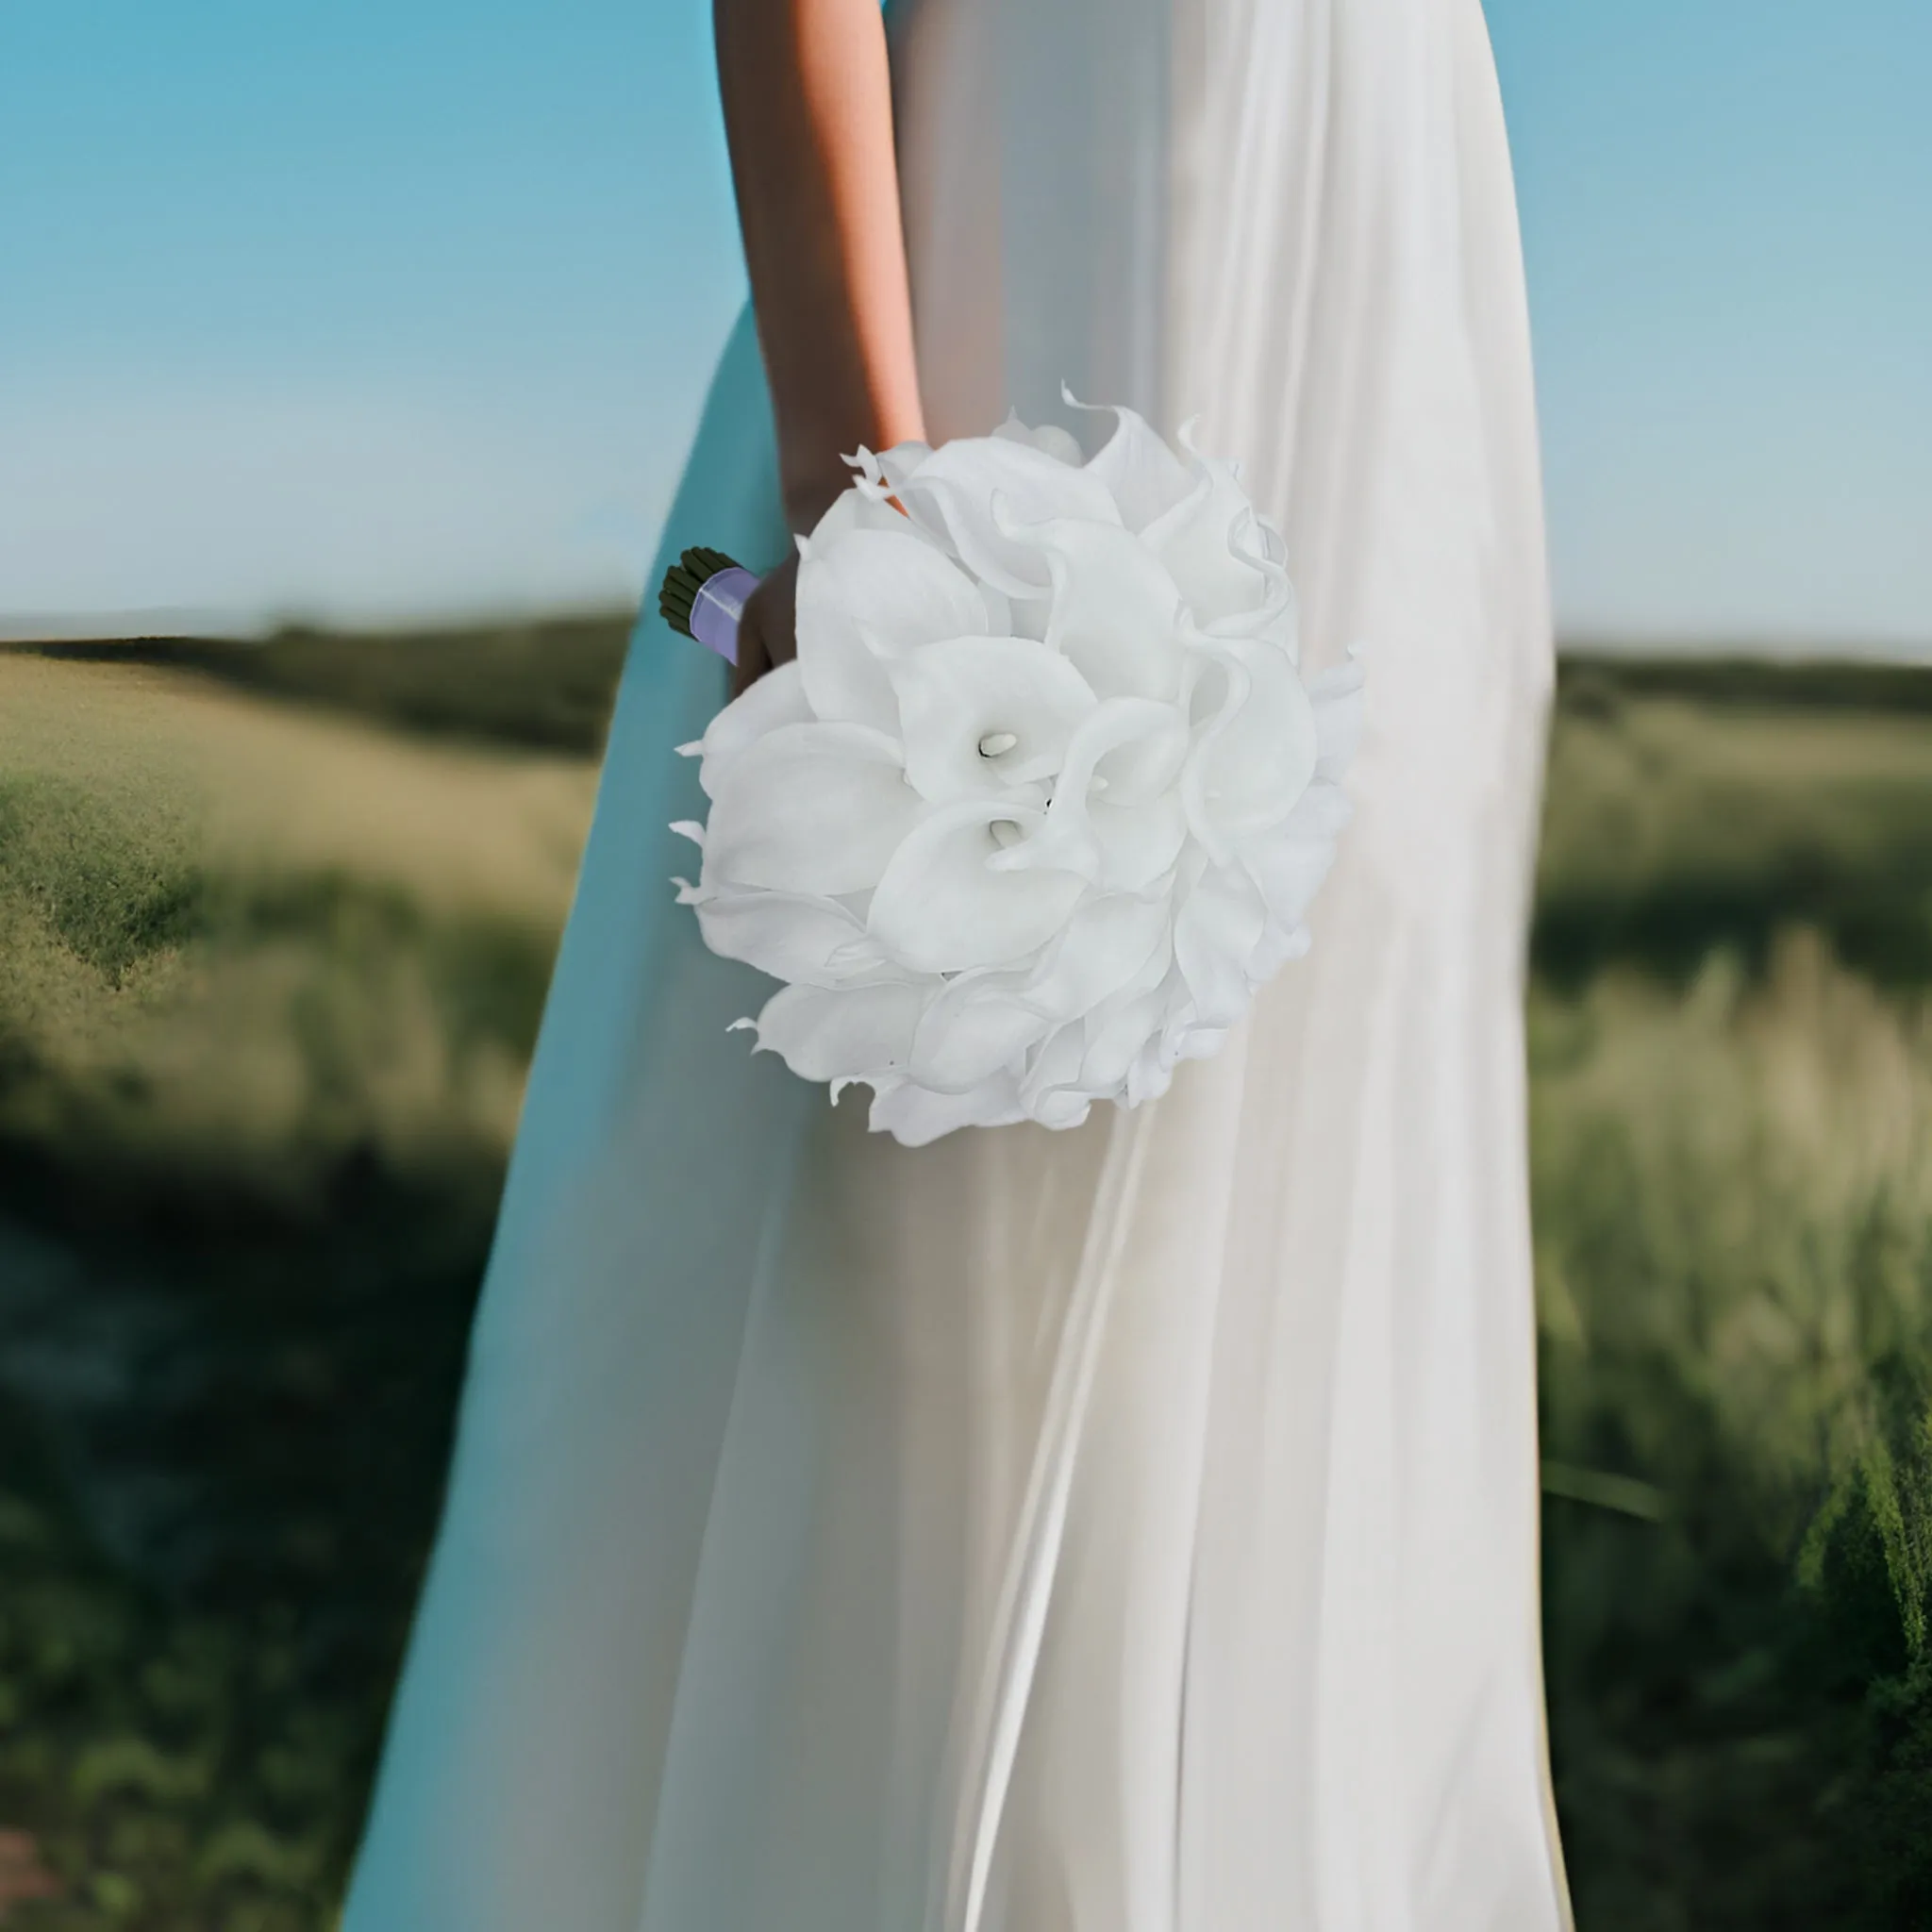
274	925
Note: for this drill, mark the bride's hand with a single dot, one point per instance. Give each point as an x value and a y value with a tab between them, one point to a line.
767	634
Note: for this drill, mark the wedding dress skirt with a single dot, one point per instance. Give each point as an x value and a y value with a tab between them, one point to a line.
1130	1529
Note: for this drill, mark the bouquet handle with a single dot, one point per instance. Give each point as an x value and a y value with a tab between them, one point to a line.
704	596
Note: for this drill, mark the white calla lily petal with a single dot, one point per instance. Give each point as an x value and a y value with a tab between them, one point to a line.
895	467
792	935
1288	871
1116	1038
976	1029
1149	1077
1124	1023
1108	944
864	598
851	509
816	808
1323	806
1274	616
1215	933
1050	1089
1117	848
915	1116
1197	539
846	1035
775	700
1138	843
1115	608
1257	756
942	907
1144	477
1289	862
983	714
1056	442
967	490
1276	946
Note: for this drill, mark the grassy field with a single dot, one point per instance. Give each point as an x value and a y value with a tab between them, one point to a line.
273	930
1731	1064
269	976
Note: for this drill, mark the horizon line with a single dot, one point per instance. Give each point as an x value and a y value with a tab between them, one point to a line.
157	622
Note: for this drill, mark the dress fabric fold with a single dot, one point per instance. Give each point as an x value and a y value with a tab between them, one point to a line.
1129	1529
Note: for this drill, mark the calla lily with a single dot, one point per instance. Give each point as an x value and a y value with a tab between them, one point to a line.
819	808
1062	444
1258	754
1108	946
1115	608
953	492
1116	816
1050	1089
774	700
1287	872
983	715
792	935
976	1027
855	510
1256	545
1128	1026
1216	930
1142	475
864	600
820	1034
941	906
1196	540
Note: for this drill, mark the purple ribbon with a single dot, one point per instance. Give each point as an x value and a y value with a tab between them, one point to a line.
717	608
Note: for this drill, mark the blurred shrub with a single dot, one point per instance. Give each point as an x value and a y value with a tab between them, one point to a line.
1734	1221
1692	807
547	682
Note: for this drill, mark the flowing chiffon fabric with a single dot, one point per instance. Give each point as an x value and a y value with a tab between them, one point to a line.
1130	1529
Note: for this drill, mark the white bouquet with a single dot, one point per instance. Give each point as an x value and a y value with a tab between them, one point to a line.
1043	798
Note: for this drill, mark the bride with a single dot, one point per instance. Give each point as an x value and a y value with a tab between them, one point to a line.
807	1566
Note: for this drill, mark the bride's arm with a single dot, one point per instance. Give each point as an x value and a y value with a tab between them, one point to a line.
809	113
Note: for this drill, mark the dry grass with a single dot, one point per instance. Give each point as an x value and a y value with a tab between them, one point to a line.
246	941
272	787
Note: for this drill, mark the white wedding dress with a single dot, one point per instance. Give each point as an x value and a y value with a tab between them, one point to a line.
1124	1531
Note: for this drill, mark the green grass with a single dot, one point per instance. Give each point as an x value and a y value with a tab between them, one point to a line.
1692	808
110	898
270	972
1733	1189
1731	1074
262	1031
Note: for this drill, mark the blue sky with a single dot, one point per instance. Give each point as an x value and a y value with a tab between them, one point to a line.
355	310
